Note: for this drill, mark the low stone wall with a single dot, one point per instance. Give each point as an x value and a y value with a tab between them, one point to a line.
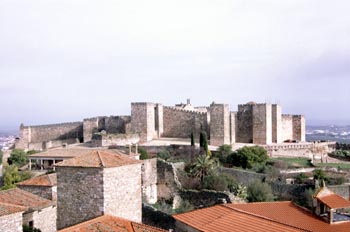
205	198
294	192
105	140
44	219
342	190
149	181
242	176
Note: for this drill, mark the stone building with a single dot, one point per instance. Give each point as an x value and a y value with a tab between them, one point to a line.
11	218
98	183
44	186
38	212
252	123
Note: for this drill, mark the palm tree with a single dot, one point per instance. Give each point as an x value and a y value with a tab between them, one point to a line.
204	166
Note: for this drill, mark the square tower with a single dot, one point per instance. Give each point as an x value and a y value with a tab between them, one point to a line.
98	183
219	124
276	124
262	124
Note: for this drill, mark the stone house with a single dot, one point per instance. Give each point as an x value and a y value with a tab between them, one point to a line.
98	183
44	186
39	212
11	218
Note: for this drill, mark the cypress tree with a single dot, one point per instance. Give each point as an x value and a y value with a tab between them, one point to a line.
201	139
192	139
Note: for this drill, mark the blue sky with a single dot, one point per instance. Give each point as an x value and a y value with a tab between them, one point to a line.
64	60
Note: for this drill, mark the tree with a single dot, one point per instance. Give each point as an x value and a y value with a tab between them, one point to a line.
201	139
259	192
203	142
13	176
223	152
143	153
246	157
204	166
18	157
192	139
163	155
320	175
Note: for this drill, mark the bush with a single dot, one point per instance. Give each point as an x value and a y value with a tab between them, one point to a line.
220	182
246	157
223	152
259	192
143	153
18	157
164	155
300	178
27	228
320	175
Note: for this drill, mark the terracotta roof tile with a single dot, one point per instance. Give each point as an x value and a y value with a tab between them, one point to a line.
48	180
107	223
332	200
6	209
266	216
23	198
97	159
61	153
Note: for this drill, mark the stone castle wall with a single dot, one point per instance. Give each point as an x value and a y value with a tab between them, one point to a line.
149	181
179	123
276	124
299	127
11	223
244	124
287	127
122	192
79	195
219	124
262	124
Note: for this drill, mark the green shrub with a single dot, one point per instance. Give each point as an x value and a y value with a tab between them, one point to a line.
27	228
164	155
18	157
217	183
259	192
143	153
246	157
223	152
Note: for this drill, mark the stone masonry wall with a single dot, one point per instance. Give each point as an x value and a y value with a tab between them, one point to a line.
122	192
90	126
79	195
287	127
143	121
180	123
299	127
245	124
46	192
11	223
276	124
233	126
219	124
105	140
45	219
149	181
262	124
56	132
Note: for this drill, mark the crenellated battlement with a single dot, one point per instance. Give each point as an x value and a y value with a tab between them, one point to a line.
185	110
53	125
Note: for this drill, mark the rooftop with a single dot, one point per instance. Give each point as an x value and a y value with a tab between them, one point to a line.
47	180
23	198
264	216
6	209
61	153
108	223
99	159
331	199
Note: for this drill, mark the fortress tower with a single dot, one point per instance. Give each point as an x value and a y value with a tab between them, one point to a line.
95	184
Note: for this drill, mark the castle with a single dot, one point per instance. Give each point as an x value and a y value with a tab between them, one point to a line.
252	123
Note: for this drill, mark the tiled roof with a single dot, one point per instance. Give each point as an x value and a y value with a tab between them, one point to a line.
23	198
6	209
108	223
97	159
265	216
48	180
332	200
61	153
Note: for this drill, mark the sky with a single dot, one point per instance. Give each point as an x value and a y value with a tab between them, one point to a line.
65	60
